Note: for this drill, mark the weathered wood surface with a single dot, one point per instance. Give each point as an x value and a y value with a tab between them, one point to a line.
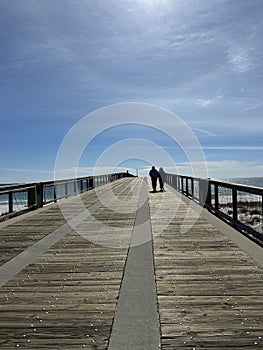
25	231
210	293
67	298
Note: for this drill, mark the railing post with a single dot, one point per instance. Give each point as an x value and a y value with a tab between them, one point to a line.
75	186
182	184
234	199
208	200
10	202
173	181
216	197
178	182
66	189
40	194
204	192
170	180
187	189
200	192
55	192
31	197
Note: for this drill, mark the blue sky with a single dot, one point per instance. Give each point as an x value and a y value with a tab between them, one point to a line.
61	60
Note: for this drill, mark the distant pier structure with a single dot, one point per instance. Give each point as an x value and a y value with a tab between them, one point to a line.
102	263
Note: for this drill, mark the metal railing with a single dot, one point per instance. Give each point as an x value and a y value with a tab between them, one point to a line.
16	199
239	205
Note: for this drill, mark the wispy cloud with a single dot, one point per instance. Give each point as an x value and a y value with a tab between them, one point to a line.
38	171
195	58
220	148
101	170
240	59
234	168
203	132
251	108
239	148
216	169
23	175
203	103
207	102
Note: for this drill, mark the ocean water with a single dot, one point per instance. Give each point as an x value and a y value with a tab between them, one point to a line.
20	198
249	181
19	202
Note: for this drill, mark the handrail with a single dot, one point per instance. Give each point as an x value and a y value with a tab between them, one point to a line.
238	205
35	195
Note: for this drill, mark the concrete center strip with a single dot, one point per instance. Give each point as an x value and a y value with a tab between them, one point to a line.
136	322
29	255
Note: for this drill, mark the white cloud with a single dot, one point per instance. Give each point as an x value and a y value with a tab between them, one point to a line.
204	132
251	108
202	102
20	175
239	59
232	168
88	54
207	102
102	170
216	169
236	148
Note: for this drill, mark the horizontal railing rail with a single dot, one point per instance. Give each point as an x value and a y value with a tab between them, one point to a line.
239	205
16	199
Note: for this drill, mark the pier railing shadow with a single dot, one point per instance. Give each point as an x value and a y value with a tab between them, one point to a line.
239	205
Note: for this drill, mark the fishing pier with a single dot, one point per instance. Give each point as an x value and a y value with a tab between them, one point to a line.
103	263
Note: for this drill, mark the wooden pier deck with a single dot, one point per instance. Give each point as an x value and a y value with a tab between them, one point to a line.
93	279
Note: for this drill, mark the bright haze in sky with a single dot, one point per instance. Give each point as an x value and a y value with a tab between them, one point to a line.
63	60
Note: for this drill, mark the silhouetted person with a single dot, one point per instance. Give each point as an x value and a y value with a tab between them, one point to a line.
154	174
162	179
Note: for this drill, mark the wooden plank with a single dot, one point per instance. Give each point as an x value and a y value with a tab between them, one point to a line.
210	293
63	300
17	235
66	299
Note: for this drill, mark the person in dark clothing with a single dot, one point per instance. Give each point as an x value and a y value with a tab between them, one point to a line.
162	179
154	174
